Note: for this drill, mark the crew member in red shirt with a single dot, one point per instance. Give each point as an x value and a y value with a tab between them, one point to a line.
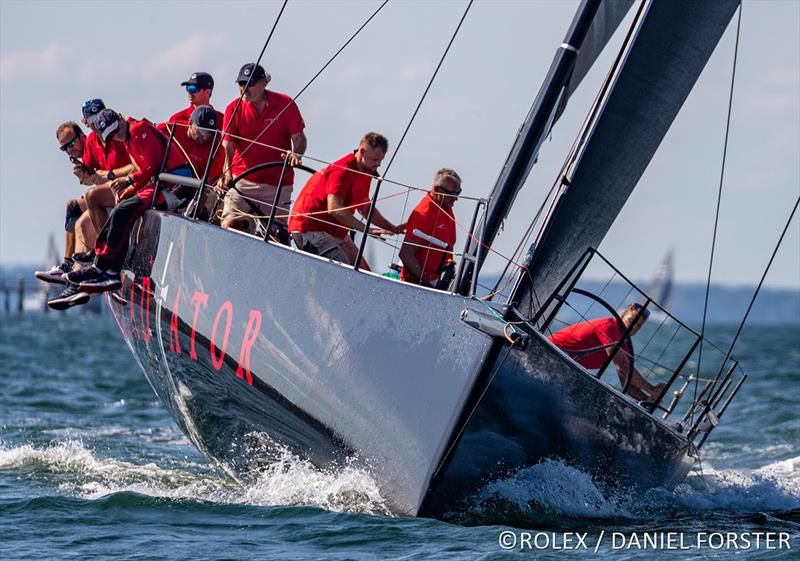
198	143
323	212
264	127
102	163
79	233
591	342
146	146
424	261
195	141
199	88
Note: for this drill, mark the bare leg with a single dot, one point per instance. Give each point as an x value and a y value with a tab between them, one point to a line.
99	199
85	235
69	244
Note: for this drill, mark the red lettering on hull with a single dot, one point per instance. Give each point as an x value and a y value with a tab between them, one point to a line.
198	299
144	309
132	306
227	307
250	335
174	341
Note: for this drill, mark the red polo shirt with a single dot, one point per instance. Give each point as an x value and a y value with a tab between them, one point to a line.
336	179
111	156
146	146
198	154
429	218
185	116
264	127
587	335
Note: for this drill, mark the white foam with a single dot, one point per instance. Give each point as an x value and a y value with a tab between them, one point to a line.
553	487
77	470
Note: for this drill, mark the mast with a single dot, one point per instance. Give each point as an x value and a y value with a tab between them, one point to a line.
534	130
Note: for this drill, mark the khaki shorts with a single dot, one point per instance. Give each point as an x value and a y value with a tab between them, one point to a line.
261	196
326	245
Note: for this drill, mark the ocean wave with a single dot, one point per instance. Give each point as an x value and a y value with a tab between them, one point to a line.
552	488
76	470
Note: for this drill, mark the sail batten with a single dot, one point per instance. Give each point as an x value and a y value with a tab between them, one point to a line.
665	57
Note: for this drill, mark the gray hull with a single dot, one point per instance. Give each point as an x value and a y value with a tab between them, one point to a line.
256	348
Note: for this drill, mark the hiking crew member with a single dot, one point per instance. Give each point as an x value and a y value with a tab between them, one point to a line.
423	261
102	163
591	342
263	117
323	211
199	87
146	146
79	235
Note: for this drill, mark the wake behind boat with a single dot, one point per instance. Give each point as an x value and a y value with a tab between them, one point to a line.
295	351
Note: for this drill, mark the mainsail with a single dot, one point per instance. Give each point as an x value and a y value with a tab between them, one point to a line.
661	61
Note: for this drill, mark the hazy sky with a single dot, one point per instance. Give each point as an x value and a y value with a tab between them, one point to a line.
54	55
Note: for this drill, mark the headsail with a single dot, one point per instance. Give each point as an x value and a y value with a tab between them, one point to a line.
594	22
661	61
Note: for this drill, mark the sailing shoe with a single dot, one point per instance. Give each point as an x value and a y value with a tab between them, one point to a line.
93	280
85	258
70	296
56	274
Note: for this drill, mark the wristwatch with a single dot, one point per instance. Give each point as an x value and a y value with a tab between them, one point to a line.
111	175
130	181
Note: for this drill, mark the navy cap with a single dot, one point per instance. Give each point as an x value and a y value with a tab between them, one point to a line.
202	80
205	117
106	122
92	107
251	69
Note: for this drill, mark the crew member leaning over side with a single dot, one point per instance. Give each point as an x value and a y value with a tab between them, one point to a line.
423	261
265	126
323	211
103	162
146	146
79	233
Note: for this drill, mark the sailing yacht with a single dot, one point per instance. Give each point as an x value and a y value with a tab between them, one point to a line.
476	389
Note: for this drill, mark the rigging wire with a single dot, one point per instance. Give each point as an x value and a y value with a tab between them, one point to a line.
753	299
258	61
719	201
427	89
414	115
311	81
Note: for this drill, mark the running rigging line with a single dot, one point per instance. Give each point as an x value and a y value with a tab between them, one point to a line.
719	201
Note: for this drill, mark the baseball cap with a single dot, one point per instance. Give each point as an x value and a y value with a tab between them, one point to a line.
202	80
205	117
251	68
106	122
91	108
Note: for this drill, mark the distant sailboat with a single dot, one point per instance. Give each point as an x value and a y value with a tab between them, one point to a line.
660	288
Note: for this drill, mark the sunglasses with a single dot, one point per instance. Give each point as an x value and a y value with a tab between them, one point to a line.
191	88
67	145
447	192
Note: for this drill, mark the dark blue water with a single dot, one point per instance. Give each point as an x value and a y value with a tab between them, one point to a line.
92	467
